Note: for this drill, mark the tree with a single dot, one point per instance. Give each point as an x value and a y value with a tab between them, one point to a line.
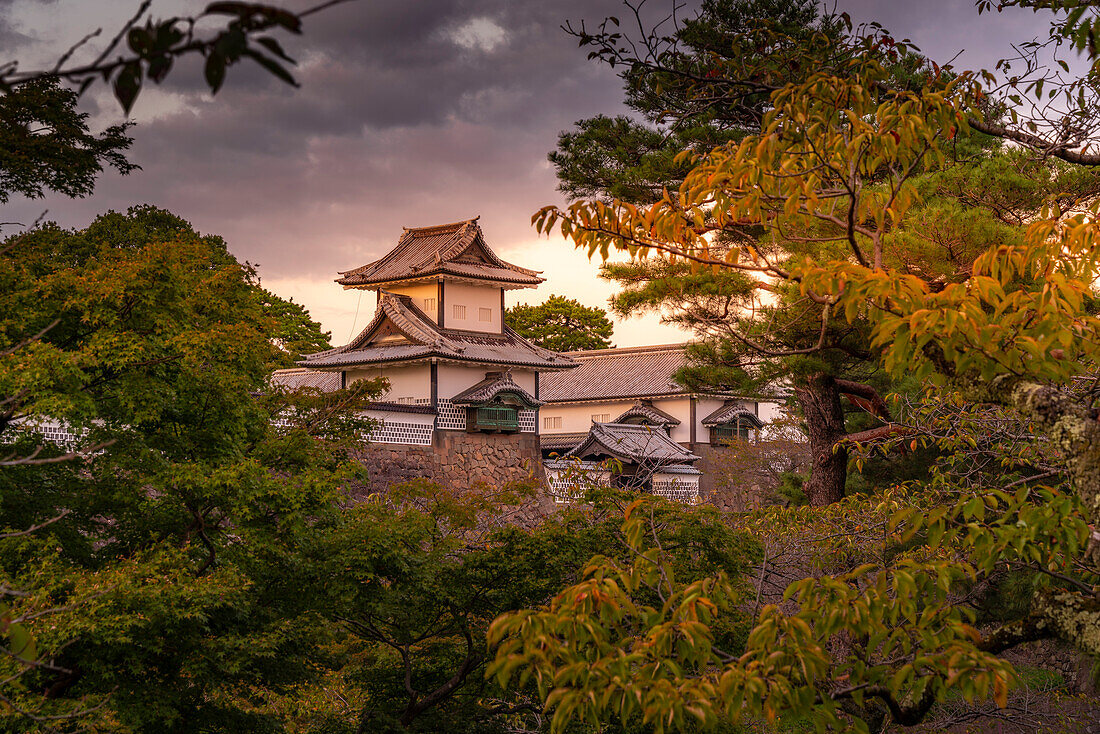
416	578
706	85
47	146
155	344
151	50
882	624
561	324
45	143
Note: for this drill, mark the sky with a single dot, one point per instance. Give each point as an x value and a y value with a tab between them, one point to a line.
410	113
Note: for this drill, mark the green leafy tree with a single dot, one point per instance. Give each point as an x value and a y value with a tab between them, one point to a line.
45	143
561	324
416	578
154	344
878	626
47	146
138	52
705	85
754	330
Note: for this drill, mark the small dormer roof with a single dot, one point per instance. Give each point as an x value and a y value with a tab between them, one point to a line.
457	250
733	411
648	413
495	384
632	444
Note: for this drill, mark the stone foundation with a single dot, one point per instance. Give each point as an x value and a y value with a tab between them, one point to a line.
456	459
459	460
718	486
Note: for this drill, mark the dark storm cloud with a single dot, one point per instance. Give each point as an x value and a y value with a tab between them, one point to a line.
409	113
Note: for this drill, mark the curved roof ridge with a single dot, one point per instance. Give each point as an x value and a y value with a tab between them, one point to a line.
426	251
645	409
730	411
631	442
442	227
494	384
612	351
409	319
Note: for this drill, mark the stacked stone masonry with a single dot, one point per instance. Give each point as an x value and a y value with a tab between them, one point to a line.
456	459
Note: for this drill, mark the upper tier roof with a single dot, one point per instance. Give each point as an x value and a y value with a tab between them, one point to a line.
457	249
400	332
633	372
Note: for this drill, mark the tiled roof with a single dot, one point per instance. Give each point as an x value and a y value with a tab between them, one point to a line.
648	412
731	412
401	407
297	378
617	373
423	338
561	442
494	384
633	444
679	469
456	249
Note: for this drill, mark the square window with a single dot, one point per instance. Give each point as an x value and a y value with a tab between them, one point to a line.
485	314
459	311
551	421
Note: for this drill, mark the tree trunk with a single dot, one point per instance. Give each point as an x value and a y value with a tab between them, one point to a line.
819	398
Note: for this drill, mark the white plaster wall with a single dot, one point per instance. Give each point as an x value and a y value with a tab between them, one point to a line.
453	379
703	408
525	379
577	417
680	408
419	294
473	297
769	412
411	381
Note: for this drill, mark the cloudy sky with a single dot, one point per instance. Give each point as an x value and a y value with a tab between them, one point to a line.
410	113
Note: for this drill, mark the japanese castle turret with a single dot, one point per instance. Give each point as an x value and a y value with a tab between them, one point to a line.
439	339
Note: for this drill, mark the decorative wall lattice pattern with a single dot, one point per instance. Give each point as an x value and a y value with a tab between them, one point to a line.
57	433
567	480
527	420
686	492
451	417
416	434
562	490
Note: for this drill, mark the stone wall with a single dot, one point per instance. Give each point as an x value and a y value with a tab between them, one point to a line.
459	460
718	488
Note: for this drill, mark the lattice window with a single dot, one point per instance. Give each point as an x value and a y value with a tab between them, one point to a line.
459	311
568	483
417	434
451	417
57	433
674	489
563	491
551	421
485	314
601	417
527	421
